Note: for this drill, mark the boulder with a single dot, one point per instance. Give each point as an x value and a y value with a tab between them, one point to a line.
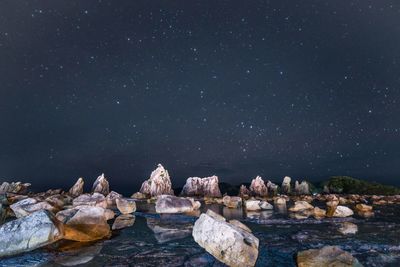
272	188
96	199
326	257
29	205
77	189
363	208
252	205
280	201
258	187
331	207
101	185
286	185
202	187
172	204
319	213
86	223
36	230
244	192
348	228
264	205
158	184
139	195
59	201
300	206
232	202
342	211
123	221
15	188
111	199
227	242
301	188
126	205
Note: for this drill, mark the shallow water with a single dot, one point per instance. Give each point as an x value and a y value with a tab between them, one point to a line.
166	240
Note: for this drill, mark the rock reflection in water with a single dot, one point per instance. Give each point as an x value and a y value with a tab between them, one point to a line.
259	216
123	221
167	229
76	253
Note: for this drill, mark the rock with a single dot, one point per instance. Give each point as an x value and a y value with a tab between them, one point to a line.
347	228
258	187
126	205
15	188
3	214
139	195
228	243
203	187
300	206
363	208
158	184
264	205
123	221
86	223
240	225
342	211
172	204
3	199
36	230
243	191
286	185
331	207
111	199
77	189
29	205
302	188
319	213
252	205
59	201
96	199
272	188
232	202
326	257
101	185
280	201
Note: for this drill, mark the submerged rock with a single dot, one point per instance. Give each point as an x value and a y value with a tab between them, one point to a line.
348	228
258	187
172	204
123	221
227	242
77	189
203	187
101	185
286	185
28	233
126	205
342	211
326	257
158	184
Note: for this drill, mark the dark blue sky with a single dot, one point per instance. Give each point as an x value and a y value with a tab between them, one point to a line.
307	89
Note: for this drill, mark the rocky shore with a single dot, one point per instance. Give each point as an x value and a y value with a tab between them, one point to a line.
31	220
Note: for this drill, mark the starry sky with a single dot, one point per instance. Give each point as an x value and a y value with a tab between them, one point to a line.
307	89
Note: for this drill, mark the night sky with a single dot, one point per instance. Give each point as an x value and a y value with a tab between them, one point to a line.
307	89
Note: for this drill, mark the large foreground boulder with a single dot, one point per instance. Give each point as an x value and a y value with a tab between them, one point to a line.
101	185
28	233
158	184
229	243
326	257
172	204
202	187
86	223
